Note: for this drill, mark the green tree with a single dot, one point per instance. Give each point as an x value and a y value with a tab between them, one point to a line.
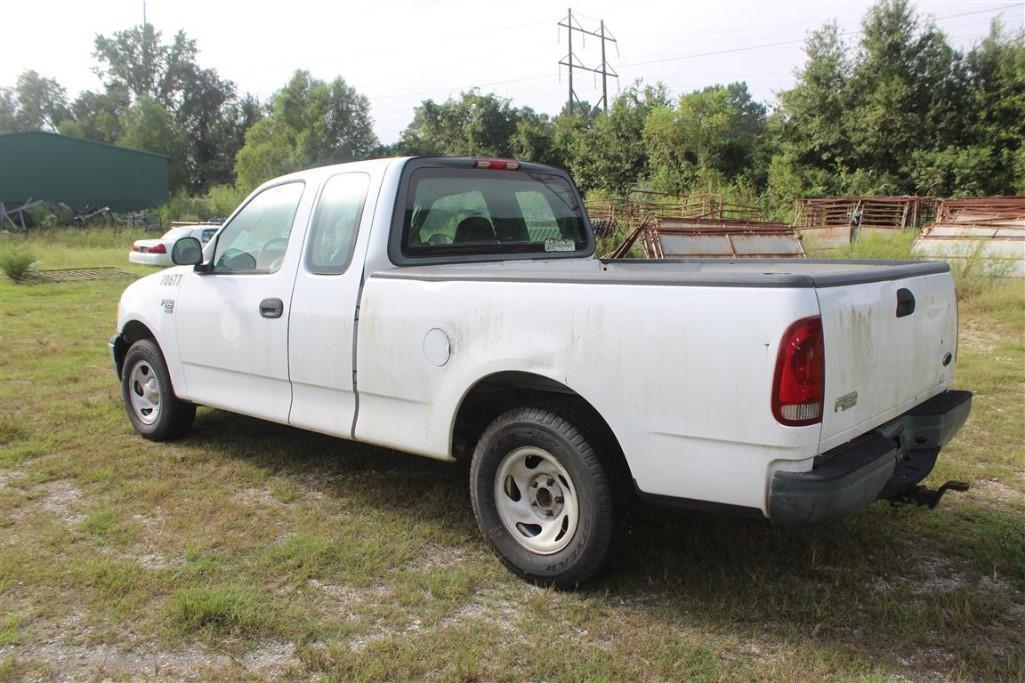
813	112
903	75
534	139
996	99
8	111
137	61
610	154
97	116
473	124
149	127
310	122
710	136
905	113
140	64
35	103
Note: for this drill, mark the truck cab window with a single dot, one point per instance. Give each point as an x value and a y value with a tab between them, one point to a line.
453	212
255	241
336	223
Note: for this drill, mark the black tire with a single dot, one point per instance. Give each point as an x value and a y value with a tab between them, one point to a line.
174	417
585	454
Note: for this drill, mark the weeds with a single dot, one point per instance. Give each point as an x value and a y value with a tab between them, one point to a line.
15	263
231	610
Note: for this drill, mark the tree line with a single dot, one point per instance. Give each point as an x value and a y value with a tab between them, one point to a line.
899	111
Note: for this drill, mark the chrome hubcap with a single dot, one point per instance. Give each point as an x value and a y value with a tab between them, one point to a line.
536	500
144	392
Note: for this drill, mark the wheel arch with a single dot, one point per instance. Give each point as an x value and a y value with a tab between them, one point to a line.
131	332
501	391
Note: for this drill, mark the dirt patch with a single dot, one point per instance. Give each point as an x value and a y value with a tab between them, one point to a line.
977	338
106	662
334	599
435	557
58	498
9	477
490	606
61	500
999	491
258	497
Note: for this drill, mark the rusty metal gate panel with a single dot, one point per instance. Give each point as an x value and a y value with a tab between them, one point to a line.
677	245
681	237
830	223
985	233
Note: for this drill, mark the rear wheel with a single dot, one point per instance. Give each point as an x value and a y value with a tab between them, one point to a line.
152	407
543	497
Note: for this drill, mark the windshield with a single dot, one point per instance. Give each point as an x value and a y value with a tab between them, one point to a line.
453	211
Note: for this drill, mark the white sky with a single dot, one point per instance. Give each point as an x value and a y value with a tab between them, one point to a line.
399	52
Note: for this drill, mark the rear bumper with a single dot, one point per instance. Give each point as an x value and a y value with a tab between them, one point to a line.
881	464
147	259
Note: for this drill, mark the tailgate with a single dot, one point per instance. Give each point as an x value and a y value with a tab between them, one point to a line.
882	357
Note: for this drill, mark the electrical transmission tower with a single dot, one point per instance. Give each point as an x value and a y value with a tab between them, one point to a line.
570	61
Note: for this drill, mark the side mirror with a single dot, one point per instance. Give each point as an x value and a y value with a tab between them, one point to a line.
187	252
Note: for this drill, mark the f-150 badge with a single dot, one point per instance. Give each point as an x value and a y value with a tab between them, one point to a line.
845	402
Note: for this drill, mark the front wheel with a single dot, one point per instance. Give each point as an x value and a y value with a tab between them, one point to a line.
543	497
154	410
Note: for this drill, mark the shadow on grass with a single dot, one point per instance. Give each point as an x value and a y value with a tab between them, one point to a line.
887	583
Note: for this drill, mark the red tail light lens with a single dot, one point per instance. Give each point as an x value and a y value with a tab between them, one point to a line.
497	164
798	388
158	249
135	247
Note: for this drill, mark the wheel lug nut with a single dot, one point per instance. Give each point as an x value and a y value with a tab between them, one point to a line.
558	499
534	483
551	482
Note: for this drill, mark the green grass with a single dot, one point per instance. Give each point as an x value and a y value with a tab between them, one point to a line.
256	550
227	611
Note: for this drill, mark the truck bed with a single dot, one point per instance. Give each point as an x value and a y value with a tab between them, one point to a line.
788	273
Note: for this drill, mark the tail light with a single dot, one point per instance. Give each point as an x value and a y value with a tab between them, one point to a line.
798	388
158	249
497	164
135	247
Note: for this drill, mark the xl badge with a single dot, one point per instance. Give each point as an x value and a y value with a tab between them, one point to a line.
168	305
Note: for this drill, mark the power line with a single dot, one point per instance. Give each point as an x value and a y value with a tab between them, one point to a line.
789	42
695	55
571	62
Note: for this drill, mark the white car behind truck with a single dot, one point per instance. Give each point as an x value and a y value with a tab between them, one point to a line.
452	308
157	252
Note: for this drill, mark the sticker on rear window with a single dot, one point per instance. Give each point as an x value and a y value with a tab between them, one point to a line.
560	245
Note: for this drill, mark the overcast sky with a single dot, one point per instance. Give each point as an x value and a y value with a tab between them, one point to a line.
399	52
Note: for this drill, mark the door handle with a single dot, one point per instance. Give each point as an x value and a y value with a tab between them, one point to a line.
272	308
905	302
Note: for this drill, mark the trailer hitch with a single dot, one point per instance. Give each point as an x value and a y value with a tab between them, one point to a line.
923	495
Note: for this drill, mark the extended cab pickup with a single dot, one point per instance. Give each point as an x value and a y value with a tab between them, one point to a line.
452	307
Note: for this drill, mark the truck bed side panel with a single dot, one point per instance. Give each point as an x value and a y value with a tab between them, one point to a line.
682	377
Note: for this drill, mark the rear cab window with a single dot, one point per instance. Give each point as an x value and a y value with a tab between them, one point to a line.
456	212
336	223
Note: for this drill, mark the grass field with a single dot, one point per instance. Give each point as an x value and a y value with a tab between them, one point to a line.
251	550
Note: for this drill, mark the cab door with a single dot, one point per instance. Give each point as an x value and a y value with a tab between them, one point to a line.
324	303
232	315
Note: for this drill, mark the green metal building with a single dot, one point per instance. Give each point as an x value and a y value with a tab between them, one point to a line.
79	173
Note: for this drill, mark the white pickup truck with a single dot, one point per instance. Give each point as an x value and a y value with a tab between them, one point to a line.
452	307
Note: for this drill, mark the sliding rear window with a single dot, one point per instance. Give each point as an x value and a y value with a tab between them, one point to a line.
456	212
